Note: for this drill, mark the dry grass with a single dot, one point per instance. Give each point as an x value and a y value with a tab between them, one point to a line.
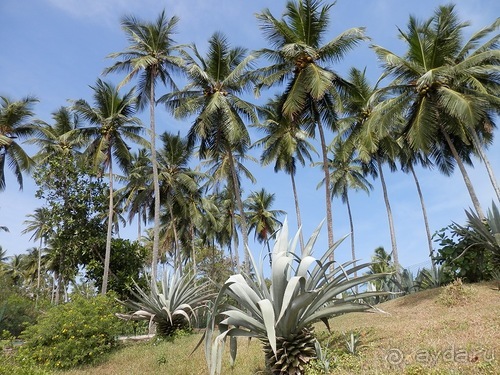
418	334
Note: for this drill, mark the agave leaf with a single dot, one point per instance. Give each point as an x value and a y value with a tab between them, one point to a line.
334	310
239	318
279	278
290	292
182	313
308	249
233	349
304	265
268	316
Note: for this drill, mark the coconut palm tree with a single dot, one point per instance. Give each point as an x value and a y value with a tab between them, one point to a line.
150	56
177	181
61	137
137	196
375	142
213	96
347	172
39	224
446	89
261	218
111	124
15	117
299	60
285	144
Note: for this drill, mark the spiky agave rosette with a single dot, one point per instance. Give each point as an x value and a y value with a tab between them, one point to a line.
172	308
302	292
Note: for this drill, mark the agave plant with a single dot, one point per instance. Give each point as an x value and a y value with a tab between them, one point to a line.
487	232
303	290
174	307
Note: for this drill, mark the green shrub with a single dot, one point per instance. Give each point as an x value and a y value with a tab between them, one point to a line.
72	334
9	365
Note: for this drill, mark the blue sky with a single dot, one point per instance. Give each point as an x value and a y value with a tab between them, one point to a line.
55	49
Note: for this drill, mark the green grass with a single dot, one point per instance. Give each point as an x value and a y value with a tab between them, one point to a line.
418	334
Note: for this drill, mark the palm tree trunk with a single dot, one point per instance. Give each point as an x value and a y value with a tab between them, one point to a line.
38	273
193	250
482	155
177	255
465	175
351	226
107	254
239	202
328	201
297	210
156	183
395	254
424	213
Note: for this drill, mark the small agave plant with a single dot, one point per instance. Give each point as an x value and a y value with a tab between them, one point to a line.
172	308
303	290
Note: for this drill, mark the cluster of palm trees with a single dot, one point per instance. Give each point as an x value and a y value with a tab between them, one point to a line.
437	108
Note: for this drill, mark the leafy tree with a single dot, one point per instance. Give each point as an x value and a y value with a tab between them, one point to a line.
150	56
111	124
461	256
74	197
14	124
126	267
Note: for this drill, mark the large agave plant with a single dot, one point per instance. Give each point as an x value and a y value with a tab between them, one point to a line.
172	308
302	291
487	232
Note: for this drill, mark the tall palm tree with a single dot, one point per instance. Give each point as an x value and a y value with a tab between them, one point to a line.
446	89
39	224
15	124
177	181
111	124
375	142
262	219
299	60
150	57
347	172
138	193
285	144
213	96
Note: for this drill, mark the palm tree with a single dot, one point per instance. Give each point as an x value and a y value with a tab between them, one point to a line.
285	144
39	224
262	219
447	90
347	172
110	125
61	138
299	60
177	181
14	124
375	142
138	194
213	97
149	56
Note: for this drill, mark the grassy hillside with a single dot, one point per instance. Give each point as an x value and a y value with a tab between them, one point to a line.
439	331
